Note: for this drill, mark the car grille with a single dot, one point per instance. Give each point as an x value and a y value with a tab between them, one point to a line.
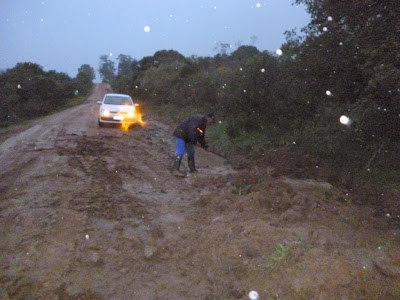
119	112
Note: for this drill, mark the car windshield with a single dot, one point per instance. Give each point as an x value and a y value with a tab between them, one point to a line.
117	100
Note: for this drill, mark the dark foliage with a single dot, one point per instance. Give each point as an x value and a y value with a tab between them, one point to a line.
27	91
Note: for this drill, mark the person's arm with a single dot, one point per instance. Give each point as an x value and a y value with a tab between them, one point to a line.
200	137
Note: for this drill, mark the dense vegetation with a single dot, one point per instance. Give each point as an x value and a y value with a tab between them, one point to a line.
27	91
345	62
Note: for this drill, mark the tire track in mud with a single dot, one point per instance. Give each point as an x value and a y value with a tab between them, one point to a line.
96	163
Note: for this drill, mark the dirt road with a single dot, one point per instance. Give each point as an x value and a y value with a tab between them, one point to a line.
94	213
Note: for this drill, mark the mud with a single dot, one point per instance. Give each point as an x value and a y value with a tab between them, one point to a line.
94	213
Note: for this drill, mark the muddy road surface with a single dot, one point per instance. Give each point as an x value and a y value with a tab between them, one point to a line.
94	213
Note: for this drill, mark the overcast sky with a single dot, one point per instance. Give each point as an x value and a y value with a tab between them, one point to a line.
62	35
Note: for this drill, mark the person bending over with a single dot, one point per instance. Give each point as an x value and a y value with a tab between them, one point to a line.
188	133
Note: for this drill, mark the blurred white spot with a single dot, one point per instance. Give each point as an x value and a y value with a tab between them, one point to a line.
244	91
341	44
387	215
87	236
111	54
146	28
253	295
41	20
219	122
330	18
279	52
263	70
241	69
258	5
19	86
215	7
328	93
76	92
344	120
325	29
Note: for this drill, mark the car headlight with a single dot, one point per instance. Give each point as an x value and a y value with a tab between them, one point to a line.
130	114
105	112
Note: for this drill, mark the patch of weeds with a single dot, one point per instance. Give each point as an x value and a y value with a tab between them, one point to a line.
244	190
279	256
328	197
71	102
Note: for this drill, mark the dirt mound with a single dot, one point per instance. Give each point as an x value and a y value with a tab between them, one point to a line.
294	239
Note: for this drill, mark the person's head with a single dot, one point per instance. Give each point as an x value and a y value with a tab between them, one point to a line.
210	118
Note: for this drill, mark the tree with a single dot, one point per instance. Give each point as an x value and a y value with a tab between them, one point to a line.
352	50
84	78
223	48
167	56
244	52
125	65
107	69
86	73
26	91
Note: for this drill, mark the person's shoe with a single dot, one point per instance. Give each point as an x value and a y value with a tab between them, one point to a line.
178	173
177	164
192	165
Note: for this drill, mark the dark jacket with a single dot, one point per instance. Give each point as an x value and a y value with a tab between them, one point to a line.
192	130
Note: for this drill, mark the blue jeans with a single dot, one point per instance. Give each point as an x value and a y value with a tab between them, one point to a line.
182	147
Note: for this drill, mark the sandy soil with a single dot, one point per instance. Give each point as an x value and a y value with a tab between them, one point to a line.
94	213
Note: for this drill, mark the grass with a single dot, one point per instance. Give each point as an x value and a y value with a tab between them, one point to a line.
244	190
279	256
71	102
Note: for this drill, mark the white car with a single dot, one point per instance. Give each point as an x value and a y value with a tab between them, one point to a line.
118	109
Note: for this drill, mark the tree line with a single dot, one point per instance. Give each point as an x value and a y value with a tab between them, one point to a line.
346	62
27	91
